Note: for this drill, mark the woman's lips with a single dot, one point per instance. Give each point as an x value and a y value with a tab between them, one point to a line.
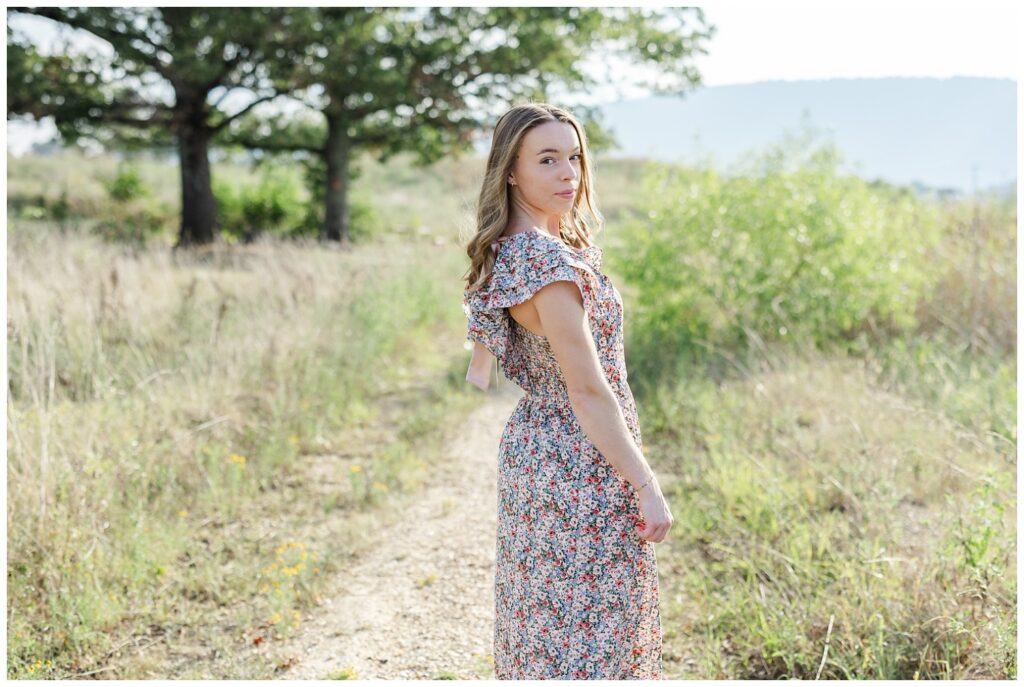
567	194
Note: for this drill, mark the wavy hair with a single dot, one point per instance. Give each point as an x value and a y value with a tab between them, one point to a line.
492	212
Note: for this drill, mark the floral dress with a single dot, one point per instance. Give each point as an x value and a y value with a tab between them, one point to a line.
576	589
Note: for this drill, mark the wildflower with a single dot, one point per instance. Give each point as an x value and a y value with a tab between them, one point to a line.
293	570
238	458
282	548
356	468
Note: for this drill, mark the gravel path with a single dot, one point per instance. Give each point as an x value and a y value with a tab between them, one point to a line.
422	603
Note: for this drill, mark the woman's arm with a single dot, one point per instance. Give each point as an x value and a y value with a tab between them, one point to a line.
560	309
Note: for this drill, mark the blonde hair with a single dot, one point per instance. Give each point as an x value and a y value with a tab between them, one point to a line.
492	213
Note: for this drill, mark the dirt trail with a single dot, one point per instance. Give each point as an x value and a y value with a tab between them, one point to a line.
422	602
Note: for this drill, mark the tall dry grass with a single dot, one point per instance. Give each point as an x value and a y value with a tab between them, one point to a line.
172	420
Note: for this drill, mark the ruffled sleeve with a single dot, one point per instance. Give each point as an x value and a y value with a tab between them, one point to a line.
521	269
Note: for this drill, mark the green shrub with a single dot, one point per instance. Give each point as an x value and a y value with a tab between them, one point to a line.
135	224
134	217
127	184
794	252
364	222
273	205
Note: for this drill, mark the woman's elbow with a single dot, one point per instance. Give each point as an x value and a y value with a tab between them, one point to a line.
587	390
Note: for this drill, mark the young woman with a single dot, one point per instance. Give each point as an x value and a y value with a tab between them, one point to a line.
579	508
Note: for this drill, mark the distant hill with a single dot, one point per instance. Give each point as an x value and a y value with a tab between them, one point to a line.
925	131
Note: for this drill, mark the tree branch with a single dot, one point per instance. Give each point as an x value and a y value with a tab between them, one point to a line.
275	146
227	120
103	33
227	91
228	66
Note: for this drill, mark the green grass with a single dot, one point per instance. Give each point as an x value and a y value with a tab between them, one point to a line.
848	511
807	493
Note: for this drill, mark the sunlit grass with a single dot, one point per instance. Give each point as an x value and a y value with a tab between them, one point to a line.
806	495
163	415
178	429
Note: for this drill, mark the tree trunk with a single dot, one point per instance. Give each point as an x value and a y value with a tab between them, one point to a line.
336	150
198	206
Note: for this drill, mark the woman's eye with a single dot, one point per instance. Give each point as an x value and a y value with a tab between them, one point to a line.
550	158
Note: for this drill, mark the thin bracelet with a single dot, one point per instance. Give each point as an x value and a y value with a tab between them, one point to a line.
646	483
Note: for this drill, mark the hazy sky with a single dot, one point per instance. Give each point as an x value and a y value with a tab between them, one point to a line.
772	41
759	42
782	41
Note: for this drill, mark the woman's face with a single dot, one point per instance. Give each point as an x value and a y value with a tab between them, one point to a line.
548	163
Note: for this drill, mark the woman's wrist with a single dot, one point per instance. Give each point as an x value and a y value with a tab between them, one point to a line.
647	483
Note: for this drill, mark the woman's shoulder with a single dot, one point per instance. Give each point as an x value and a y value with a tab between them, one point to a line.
534	243
530	250
526	261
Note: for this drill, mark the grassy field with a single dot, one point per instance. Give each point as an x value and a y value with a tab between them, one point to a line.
176	424
436	201
819	511
850	512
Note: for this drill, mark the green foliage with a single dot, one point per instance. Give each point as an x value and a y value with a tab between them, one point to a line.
134	217
278	204
135	224
384	78
806	497
274	205
364	222
795	252
41	207
127	184
109	97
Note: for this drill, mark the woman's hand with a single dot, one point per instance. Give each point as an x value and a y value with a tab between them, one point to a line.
655	516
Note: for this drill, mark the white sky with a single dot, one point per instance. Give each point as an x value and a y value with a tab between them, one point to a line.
760	42
867	39
783	41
